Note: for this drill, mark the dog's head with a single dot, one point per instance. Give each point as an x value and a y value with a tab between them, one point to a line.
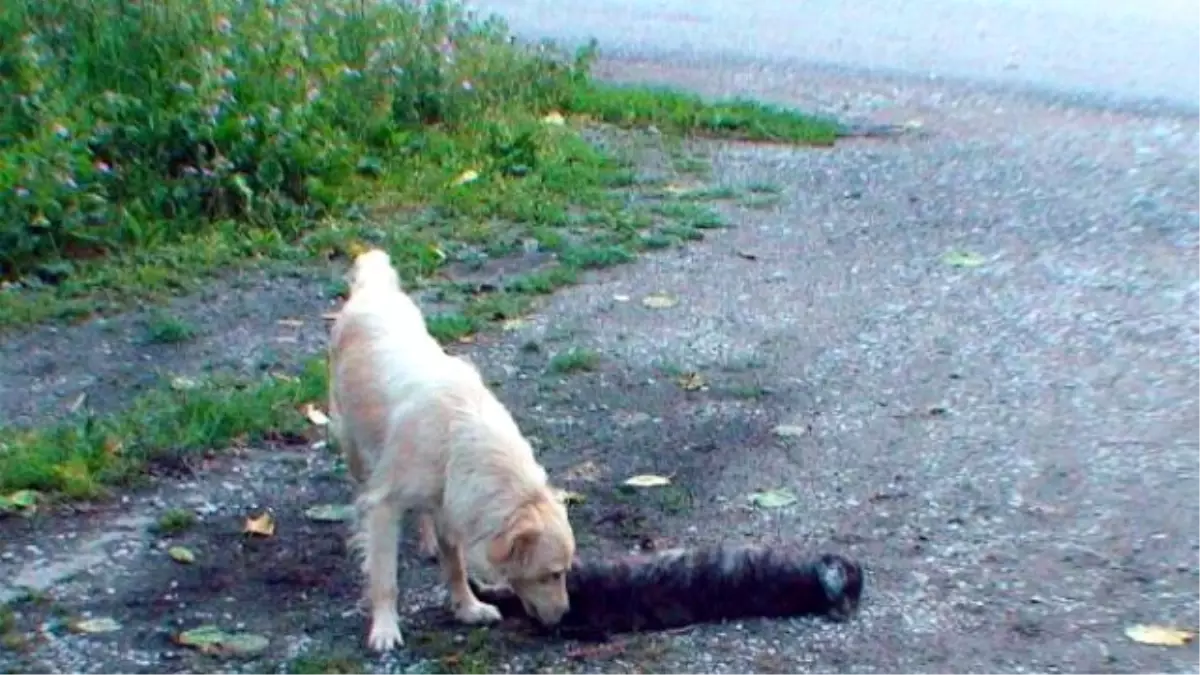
373	269
533	553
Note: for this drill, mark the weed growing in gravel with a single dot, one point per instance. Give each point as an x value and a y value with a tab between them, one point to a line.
174	521
166	329
574	360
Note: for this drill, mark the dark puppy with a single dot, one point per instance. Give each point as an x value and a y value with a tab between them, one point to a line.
677	588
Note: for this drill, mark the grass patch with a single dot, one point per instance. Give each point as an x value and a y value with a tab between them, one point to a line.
574	360
174	521
166	329
319	663
81	457
679	112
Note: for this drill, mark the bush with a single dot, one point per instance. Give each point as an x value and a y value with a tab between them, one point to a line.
134	124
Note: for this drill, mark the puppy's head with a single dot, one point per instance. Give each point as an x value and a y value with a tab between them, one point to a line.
373	269
533	553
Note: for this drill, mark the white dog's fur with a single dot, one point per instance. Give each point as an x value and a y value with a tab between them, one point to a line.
422	434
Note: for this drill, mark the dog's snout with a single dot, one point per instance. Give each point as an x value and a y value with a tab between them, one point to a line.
551	616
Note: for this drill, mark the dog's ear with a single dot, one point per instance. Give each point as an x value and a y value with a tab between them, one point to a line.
519	537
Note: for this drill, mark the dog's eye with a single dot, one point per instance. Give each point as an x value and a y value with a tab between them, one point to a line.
555	577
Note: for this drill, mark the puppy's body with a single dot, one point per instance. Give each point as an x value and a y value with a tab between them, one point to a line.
423	434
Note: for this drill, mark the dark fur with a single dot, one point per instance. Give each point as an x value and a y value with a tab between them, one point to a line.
677	588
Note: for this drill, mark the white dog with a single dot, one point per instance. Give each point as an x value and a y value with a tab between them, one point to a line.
422	434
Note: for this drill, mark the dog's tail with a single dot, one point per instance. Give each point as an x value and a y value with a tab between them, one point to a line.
373	269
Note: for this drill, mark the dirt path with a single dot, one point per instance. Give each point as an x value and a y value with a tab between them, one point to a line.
1009	445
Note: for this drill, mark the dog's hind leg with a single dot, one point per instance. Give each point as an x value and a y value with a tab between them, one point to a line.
427	544
380	534
466	607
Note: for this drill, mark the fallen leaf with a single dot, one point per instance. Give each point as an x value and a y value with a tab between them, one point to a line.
647	480
621	298
102	624
466	339
21	500
330	513
963	259
602	651
789	430
314	415
182	554
284	377
77	403
263	525
183	383
568	497
465	177
513	324
659	301
555	119
772	499
692	382
1162	636
210	639
290	323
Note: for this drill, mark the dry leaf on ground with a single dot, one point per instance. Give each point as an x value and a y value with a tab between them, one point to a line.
963	259
100	624
555	119
263	525
182	554
647	480
1162	636
468	176
568	497
789	430
659	301
330	513
181	383
772	499
19	500
210	639
692	382
77	403
314	415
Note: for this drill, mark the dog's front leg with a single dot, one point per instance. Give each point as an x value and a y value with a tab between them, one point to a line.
382	537
466	607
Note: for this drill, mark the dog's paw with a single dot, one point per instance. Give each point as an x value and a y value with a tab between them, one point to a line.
385	634
477	613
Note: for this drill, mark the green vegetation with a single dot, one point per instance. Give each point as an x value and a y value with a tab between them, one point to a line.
574	360
80	457
148	148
